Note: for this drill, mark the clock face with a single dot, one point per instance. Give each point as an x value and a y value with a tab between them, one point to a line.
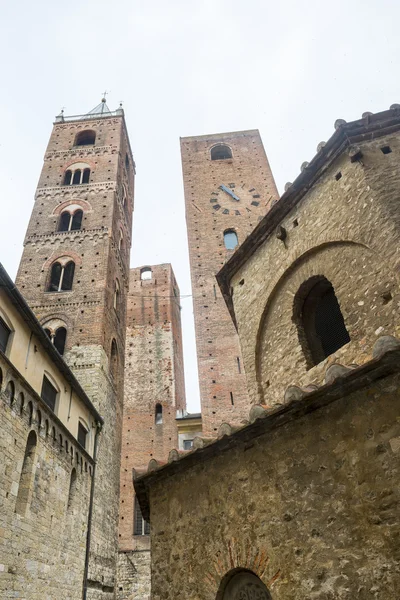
232	199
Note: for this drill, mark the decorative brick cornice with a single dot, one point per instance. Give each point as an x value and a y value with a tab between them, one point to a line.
43	237
108	185
81	151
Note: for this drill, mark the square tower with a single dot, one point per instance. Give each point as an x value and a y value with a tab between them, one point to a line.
74	273
228	187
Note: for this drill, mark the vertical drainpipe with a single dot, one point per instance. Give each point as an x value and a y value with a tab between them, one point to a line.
90	514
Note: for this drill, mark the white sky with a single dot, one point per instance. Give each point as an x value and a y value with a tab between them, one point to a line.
185	67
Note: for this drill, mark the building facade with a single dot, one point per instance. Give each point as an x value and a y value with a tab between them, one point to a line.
302	501
154	392
74	273
48	439
228	188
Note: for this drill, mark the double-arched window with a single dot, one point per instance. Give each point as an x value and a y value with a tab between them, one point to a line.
70	221
61	277
77	174
58	337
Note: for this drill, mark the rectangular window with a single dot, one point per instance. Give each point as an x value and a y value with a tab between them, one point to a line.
140	526
82	434
4	335
48	393
187	444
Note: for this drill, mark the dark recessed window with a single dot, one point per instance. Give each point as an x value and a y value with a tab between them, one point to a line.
221	152
59	339
85	138
338	176
386	149
140	527
82	435
158	416
4	335
321	327
49	393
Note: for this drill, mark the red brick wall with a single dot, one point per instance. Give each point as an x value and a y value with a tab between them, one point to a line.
153	375
223	390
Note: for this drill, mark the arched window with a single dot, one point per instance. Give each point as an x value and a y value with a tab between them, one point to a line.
117	292
27	475
70	222
221	152
59	339
319	320
120	241
243	584
140	526
76	180
114	361
85	138
230	239
10	391
61	277
145	273
72	491
158	415
68	177
86	175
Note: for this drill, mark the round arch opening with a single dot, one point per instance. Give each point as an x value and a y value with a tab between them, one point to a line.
242	584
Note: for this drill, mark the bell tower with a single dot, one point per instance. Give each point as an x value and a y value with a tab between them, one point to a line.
74	273
228	188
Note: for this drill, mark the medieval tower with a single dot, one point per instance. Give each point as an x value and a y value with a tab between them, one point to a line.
74	273
228	188
154	392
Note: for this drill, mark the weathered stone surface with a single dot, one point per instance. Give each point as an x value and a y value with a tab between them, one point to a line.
311	506
385	344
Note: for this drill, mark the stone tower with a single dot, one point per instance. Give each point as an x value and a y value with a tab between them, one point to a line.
228	189
154	391
74	273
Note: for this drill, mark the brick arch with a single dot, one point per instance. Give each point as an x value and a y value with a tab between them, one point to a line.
77	161
67	254
84	204
323	260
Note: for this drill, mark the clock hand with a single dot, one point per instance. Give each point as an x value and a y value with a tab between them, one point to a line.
229	191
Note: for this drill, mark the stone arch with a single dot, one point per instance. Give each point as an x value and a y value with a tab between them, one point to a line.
73	204
321	260
239	584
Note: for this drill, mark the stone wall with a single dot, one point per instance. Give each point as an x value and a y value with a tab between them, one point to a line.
307	498
209	212
42	548
134	575
344	228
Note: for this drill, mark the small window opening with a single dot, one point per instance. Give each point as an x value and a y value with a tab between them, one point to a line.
386	149
140	527
4	335
49	393
76	180
338	176
68	177
72	491
238	364
127	162
117	292
86	176
59	339
85	138
82	435
27	475
114	361
187	444
230	239
70	222
386	297
321	327
146	273
159	415
221	152
232	402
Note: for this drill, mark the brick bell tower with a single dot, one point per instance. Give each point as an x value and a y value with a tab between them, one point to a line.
74	273
228	188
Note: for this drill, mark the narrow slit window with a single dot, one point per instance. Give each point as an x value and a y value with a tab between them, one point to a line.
159	415
59	339
25	487
76	180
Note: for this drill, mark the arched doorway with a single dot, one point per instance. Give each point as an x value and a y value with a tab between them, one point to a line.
243	585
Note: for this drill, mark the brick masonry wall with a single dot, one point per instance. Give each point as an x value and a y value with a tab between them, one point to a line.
311	506
223	390
42	552
346	229
88	310
153	375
